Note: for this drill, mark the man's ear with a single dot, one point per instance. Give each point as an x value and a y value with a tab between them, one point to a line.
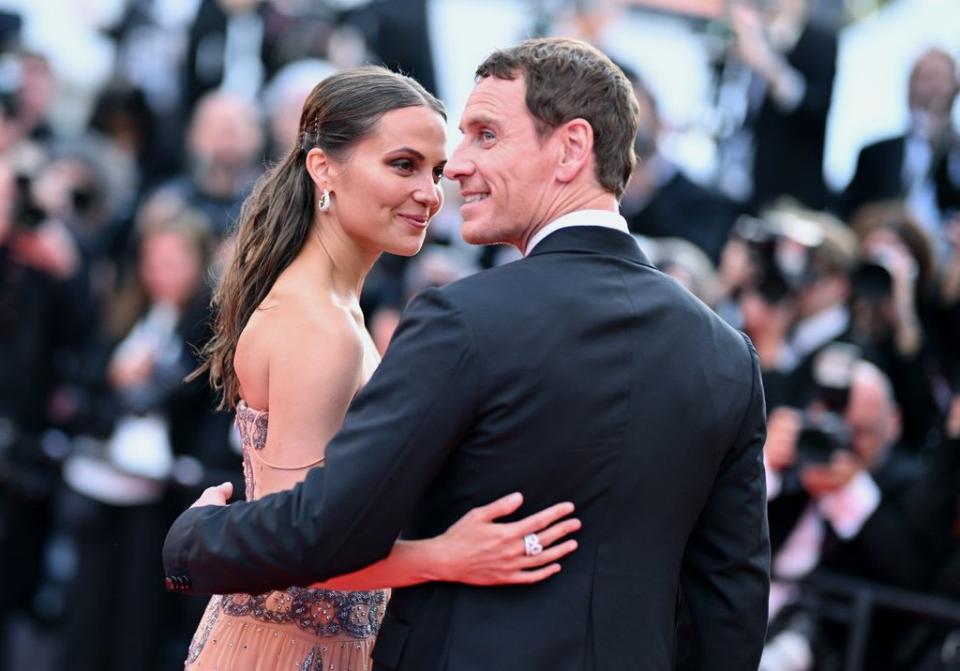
318	166
576	148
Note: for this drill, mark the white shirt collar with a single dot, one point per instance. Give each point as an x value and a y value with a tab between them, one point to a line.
818	330
601	218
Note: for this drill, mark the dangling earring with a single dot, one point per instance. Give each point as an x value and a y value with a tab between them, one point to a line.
324	203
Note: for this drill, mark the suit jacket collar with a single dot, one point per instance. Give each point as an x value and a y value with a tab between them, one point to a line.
592	240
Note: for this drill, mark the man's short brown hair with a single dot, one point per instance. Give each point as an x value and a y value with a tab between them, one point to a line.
568	79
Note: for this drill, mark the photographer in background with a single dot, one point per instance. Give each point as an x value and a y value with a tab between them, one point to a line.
935	513
759	282
839	484
921	166
146	438
822	296
779	71
896	317
660	200
787	273
42	298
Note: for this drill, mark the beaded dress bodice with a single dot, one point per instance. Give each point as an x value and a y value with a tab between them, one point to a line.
330	616
261	473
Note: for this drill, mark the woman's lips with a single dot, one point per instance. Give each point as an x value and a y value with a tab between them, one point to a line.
415	220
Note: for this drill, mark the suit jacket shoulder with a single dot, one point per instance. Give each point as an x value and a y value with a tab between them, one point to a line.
877	175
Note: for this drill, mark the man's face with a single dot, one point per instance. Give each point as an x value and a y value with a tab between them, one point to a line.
504	168
224	134
825	292
873	420
933	84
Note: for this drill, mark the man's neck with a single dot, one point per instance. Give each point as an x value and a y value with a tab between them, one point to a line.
580	219
598	201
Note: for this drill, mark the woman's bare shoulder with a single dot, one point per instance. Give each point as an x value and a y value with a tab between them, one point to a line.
295	332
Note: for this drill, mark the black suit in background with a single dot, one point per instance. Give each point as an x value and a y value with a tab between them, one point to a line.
398	32
683	209
43	324
283	39
115	586
887	548
790	145
879	176
579	373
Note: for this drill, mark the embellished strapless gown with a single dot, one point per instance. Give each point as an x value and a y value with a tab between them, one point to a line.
300	628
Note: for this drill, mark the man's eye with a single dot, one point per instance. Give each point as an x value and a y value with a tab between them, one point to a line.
487	136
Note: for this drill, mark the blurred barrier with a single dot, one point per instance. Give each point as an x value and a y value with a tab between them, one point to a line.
853	602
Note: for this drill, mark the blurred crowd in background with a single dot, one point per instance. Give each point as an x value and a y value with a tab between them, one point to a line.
799	172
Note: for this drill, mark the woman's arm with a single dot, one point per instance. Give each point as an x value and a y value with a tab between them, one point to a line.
313	375
475	550
404	425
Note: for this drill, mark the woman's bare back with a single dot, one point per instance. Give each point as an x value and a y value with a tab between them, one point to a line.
302	357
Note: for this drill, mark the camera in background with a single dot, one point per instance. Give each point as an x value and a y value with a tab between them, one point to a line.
26	213
824	429
781	253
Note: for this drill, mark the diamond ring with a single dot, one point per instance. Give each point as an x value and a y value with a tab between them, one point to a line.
531	545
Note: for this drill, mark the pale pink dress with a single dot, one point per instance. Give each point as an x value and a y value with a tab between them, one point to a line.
301	628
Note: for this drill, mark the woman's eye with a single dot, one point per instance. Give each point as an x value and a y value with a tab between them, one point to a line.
437	175
404	165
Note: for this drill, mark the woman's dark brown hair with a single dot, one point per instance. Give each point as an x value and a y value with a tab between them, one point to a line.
163	212
277	217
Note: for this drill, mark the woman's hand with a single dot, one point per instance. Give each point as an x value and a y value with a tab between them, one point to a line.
215	496
479	551
476	550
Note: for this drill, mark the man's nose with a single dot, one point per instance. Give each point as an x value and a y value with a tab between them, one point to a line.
459	164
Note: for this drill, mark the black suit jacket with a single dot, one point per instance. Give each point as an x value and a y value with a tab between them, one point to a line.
579	373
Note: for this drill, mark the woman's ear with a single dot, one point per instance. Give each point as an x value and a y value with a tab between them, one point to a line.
318	166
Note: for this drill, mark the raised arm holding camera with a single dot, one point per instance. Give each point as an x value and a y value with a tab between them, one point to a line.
897	320
838	471
41	288
781	68
840	491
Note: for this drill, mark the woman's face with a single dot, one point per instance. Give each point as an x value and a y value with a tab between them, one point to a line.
388	188
171	267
